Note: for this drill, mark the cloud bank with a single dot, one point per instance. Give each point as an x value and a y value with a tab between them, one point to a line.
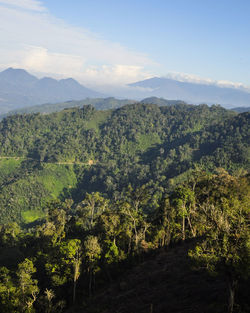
184	77
33	39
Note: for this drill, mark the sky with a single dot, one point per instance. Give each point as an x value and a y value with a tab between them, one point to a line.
118	42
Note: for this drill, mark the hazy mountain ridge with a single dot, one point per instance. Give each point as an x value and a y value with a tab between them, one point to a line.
18	89
97	103
46	108
241	109
194	92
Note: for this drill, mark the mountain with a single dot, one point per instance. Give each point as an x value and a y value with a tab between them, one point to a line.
192	92
98	104
241	109
161	101
78	150
19	89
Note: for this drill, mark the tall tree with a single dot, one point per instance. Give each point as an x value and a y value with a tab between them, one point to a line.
92	253
226	247
28	286
72	256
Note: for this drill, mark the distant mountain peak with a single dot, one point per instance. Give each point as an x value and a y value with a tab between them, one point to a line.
15	70
193	92
17	74
18	89
70	81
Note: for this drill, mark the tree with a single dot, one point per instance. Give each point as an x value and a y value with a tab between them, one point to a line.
56	219
164	222
183	199
28	286
92	253
8	292
226	247
9	233
49	295
132	208
72	252
90	208
109	228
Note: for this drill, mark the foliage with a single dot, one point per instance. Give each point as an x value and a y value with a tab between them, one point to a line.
110	187
78	151
76	246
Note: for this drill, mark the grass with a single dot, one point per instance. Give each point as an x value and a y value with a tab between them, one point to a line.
30	216
55	178
98	118
24	198
148	140
143	143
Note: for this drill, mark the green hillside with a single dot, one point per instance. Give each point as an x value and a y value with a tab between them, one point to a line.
28	187
79	150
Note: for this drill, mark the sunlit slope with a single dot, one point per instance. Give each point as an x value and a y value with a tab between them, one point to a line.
27	189
69	153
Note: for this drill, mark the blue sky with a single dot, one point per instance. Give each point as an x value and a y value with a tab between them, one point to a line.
188	39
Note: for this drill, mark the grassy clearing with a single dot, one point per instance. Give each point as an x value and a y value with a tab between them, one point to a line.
30	216
146	141
24	198
98	118
142	144
55	178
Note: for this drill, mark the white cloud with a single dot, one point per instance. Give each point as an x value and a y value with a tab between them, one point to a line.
40	58
115	74
39	42
184	77
32	5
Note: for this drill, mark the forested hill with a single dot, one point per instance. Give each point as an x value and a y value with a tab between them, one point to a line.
79	150
123	210
98	103
134	128
182	132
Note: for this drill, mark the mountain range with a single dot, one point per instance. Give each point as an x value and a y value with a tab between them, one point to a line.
19	89
193	92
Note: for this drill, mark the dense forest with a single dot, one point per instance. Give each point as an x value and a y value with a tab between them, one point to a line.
96	207
66	154
78	250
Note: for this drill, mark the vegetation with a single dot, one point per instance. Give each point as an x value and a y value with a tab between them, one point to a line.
89	197
69	255
69	153
98	103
